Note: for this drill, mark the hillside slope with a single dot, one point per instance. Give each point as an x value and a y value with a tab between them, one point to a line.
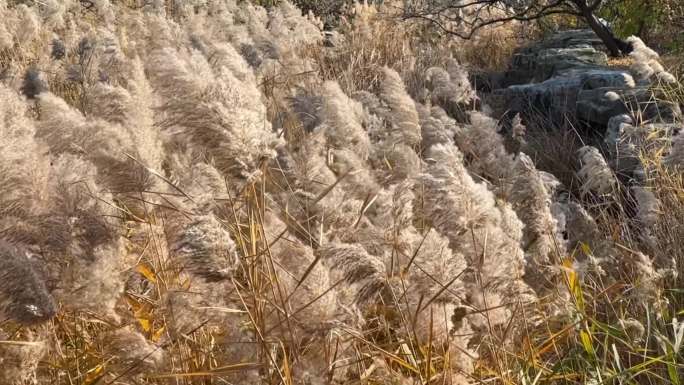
214	192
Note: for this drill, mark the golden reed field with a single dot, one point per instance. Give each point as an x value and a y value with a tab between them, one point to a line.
214	192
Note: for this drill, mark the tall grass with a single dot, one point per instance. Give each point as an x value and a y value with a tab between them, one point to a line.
212	193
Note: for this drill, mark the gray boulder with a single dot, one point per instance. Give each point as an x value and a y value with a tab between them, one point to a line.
567	76
566	93
571	38
559	52
598	106
544	64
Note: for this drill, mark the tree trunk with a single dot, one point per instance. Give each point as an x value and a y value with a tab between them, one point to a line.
616	47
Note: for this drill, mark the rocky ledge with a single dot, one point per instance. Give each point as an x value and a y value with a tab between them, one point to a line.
567	76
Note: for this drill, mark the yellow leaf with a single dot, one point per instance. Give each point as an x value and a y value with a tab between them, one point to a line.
574	284
586	342
405	365
135	305
145	324
654	134
570	273
93	375
146	272
157	335
585	248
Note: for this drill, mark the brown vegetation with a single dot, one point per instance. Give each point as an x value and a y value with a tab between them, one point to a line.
216	193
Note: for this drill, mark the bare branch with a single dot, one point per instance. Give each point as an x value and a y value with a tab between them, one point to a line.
463	18
481	9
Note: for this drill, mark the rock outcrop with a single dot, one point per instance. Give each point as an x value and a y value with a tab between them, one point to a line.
567	76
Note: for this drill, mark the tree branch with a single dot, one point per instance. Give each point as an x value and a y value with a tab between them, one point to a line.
531	12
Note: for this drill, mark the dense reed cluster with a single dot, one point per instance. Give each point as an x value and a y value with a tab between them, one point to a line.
187	195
